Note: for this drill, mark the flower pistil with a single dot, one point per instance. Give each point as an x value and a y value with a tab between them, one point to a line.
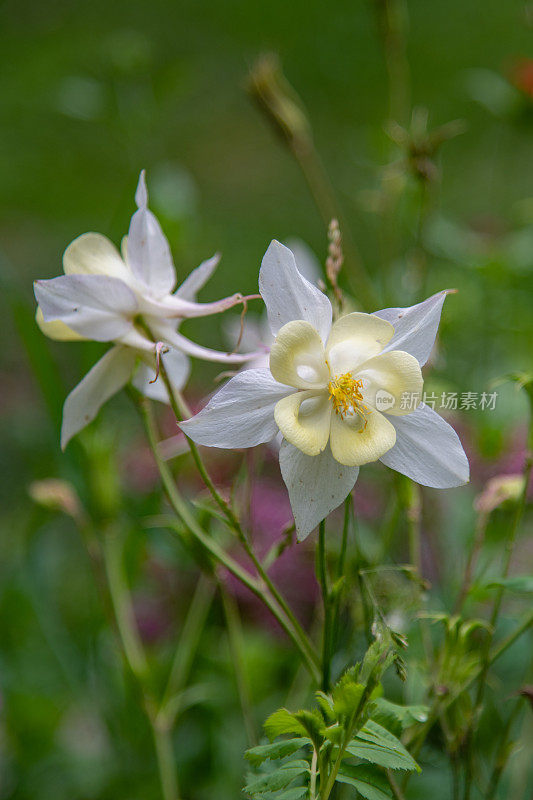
345	392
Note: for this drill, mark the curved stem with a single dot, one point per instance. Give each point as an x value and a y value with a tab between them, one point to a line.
180	409
186	647
259	589
235	638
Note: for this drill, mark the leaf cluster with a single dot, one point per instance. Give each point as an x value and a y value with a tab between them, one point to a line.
351	737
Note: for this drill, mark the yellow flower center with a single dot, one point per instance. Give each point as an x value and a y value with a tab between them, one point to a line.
345	392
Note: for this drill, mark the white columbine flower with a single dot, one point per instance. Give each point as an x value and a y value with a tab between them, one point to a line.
342	395
105	295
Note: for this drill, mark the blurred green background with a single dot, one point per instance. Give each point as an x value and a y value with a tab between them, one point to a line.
93	92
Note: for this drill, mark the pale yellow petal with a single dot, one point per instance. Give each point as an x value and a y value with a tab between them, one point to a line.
304	420
297	357
353	444
94	254
392	382
55	329
354	339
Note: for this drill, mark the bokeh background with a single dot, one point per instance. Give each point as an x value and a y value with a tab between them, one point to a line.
90	94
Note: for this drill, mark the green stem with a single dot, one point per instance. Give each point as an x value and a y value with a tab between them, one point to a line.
480	692
413	513
122	606
503	751
395	788
235	638
256	586
180	409
443	703
323	580
187	646
341	565
479	538
165	761
136	658
312	778
392	15
351	727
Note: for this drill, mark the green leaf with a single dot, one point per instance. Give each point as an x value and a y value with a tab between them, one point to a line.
383	756
326	704
278	779
397	718
282	721
517	583
347	694
314	725
294	793
335	733
377	735
369	782
285	747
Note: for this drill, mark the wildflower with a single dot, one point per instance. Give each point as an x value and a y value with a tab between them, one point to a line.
334	392
126	298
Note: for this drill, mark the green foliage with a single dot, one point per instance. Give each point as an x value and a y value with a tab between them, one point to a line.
369	782
397	718
281	749
517	583
344	739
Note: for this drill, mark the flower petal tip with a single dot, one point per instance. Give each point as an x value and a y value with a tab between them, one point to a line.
141	194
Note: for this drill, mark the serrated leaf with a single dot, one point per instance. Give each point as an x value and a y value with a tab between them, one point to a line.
282	721
294	793
278	779
397	718
281	749
383	756
375	734
326	704
347	697
369	782
314	725
335	733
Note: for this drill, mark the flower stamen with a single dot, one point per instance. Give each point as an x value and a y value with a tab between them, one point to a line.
345	392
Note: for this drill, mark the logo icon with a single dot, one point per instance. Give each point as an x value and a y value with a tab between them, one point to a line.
384	400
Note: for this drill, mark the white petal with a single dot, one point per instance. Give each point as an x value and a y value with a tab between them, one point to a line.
148	251
387	378
56	329
427	450
94	254
95	306
177	366
306	260
175	339
288	295
297	357
316	485
415	328
174	306
106	378
355	338
304	419
356	444
197	278
241	414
